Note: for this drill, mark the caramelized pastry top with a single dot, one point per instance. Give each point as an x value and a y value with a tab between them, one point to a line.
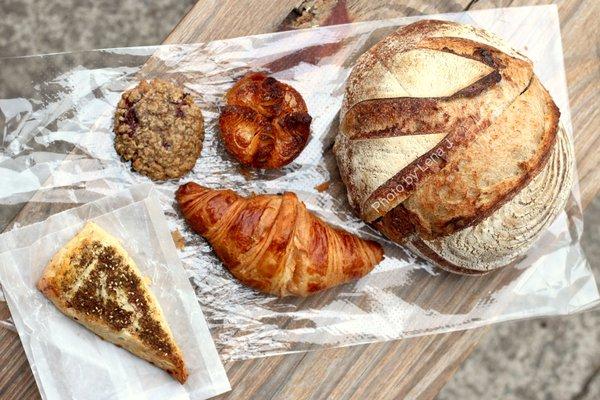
265	123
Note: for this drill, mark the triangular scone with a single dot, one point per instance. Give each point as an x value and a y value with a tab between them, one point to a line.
94	281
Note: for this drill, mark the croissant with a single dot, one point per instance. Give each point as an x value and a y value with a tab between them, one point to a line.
272	243
265	123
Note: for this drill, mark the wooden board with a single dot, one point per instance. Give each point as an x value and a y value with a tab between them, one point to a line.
411	368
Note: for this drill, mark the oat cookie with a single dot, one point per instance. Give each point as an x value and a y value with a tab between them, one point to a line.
159	129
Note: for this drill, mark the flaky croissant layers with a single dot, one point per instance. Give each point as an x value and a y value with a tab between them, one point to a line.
449	143
273	243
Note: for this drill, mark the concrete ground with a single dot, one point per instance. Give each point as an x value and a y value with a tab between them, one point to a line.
553	358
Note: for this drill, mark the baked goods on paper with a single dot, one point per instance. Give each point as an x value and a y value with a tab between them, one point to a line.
95	282
265	123
446	139
159	129
273	243
70	361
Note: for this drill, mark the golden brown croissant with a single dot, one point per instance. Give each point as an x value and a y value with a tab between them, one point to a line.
265	123
273	243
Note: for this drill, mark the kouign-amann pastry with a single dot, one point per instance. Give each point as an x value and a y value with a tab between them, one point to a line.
265	123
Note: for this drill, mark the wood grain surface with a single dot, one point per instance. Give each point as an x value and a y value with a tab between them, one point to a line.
410	368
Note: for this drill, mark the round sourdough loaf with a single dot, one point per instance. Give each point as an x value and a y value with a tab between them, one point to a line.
444	130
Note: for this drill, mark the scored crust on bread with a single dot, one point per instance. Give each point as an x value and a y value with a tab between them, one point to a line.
445	84
94	281
442	125
490	169
502	237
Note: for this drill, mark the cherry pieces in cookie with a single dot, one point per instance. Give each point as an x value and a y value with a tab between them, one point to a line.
265	123
159	129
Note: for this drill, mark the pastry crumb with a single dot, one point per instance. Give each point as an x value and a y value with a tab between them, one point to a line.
178	239
246	173
321	187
